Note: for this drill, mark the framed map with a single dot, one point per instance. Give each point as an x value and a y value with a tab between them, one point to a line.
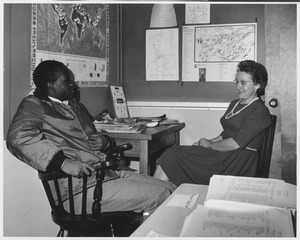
210	53
75	34
225	43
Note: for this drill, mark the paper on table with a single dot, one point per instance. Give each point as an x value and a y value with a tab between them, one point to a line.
262	191
155	234
234	206
184	201
268	222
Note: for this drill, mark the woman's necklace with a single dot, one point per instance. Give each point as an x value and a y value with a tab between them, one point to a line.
231	114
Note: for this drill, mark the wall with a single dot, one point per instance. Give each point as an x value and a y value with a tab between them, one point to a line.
281	62
133	54
17	34
26	210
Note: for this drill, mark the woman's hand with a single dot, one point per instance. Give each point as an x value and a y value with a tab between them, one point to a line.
203	142
76	168
97	142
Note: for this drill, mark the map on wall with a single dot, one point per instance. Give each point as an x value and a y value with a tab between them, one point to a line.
197	13
229	43
75	34
162	54
212	52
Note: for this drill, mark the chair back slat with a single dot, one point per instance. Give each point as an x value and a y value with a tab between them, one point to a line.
84	194
59	198
49	194
265	153
71	198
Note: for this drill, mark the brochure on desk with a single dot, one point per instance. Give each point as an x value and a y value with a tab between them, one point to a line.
243	207
119	102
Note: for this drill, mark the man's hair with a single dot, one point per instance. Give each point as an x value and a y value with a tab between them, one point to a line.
47	71
258	73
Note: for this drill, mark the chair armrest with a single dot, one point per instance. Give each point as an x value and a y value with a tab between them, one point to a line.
48	176
113	156
118	149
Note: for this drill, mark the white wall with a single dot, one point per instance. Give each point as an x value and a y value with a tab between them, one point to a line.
201	119
26	210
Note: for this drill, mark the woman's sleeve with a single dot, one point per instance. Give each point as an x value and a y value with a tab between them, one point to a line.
253	124
26	141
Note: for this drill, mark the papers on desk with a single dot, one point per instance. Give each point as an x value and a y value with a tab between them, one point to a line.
151	119
180	201
243	207
155	234
238	222
261	191
126	127
184	201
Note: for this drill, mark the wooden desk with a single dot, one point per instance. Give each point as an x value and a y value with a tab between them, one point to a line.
169	220
149	144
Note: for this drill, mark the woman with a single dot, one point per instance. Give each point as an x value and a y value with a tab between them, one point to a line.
234	151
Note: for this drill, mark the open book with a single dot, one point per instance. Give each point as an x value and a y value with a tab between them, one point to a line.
243	207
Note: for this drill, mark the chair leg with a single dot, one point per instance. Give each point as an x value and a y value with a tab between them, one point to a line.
112	232
61	232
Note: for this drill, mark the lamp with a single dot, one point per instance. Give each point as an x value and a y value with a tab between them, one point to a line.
163	15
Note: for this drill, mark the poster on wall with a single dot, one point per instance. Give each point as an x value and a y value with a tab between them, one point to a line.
212	52
75	34
162	58
197	13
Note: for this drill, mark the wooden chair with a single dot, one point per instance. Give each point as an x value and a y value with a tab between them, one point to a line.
120	224
265	153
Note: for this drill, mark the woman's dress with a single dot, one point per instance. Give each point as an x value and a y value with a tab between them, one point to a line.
196	164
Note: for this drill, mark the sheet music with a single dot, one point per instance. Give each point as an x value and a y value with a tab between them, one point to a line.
263	191
209	222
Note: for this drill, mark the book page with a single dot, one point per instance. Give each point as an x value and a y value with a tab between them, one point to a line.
262	191
233	206
210	222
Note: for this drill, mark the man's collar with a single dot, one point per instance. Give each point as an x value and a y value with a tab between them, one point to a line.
66	102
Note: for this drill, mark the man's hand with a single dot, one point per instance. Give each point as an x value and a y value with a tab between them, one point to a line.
77	168
97	142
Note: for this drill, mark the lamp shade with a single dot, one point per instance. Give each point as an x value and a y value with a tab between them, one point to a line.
163	15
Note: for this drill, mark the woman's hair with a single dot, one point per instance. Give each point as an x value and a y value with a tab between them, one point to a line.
258	73
47	71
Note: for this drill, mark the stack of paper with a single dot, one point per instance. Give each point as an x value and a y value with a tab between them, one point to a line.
243	207
119	127
238	220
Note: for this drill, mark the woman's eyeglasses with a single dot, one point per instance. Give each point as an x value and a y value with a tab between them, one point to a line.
242	82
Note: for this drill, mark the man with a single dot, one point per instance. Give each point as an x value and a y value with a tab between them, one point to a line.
52	131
